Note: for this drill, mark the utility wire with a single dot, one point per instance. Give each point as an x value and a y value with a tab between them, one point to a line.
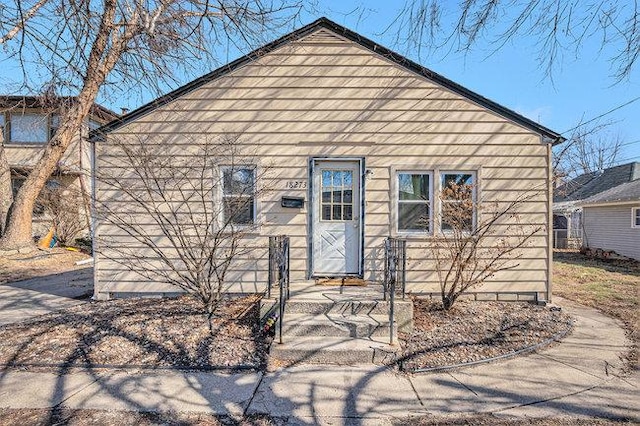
602	115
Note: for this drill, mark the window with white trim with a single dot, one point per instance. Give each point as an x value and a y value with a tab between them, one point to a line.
29	128
2	133
414	201
238	195
635	217
457	200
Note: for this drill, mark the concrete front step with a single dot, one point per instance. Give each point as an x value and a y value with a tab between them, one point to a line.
335	350
341	306
355	326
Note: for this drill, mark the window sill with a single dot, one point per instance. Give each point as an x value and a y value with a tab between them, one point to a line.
25	144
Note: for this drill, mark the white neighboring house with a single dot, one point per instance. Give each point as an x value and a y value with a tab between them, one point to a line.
568	199
611	220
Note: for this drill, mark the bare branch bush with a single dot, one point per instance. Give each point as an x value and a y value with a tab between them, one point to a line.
162	216
63	205
471	248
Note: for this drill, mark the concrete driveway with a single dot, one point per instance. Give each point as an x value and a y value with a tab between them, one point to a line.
26	299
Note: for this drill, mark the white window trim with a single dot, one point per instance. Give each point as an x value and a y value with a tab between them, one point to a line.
634	213
396	202
221	195
475	173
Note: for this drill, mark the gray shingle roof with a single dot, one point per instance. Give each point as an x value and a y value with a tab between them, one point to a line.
629	191
590	184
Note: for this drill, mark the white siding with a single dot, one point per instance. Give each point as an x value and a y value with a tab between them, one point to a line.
609	228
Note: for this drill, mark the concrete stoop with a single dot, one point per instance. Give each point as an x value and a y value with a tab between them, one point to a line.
340	325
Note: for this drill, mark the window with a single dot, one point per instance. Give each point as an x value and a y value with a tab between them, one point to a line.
635	217
238	195
414	202
2	126
337	195
29	128
457	200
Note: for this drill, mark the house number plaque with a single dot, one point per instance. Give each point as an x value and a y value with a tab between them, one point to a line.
296	184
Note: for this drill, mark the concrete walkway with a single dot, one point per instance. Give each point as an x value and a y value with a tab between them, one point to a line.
26	299
577	377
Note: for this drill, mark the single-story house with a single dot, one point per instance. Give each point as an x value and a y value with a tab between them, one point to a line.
611	220
356	142
568	199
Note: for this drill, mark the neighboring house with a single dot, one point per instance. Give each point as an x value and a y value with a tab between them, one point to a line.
568	199
326	102
611	220
27	123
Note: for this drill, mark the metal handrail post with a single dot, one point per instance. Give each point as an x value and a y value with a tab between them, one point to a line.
281	311
404	269
288	267
270	272
392	296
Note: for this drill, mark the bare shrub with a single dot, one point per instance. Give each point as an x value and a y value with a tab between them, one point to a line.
178	214
475	240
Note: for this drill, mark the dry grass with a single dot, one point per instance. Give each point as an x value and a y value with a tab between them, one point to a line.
611	286
491	420
38	263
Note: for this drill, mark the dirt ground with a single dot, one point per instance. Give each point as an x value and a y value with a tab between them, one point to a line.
39	263
64	416
472	331
142	332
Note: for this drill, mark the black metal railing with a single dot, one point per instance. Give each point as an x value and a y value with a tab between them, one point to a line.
395	277
279	273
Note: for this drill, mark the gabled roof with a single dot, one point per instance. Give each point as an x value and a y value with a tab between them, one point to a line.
590	184
17	102
349	35
626	192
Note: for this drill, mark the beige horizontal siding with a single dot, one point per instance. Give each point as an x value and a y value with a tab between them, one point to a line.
331	98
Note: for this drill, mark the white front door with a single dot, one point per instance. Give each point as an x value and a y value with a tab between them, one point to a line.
336	218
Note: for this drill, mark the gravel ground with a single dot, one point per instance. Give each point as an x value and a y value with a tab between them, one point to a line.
139	332
64	416
472	331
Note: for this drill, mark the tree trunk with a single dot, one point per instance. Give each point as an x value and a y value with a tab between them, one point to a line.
6	191
102	59
18	230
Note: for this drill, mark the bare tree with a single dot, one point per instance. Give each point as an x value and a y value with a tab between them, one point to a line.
6	191
86	48
178	219
587	151
64	206
557	26
470	248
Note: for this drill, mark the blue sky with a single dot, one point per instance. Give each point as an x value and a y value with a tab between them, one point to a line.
582	87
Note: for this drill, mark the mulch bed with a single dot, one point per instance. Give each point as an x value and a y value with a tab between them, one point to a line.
472	331
139	332
74	417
